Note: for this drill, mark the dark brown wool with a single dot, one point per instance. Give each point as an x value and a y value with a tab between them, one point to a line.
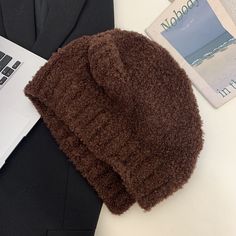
124	113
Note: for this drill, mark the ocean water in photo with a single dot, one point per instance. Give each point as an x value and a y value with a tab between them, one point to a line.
219	71
208	51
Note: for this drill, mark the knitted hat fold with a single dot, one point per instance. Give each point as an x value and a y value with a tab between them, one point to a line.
106	182
124	113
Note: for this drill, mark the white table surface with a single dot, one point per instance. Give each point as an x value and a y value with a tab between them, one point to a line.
206	206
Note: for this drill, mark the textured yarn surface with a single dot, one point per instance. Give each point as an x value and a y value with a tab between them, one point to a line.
124	113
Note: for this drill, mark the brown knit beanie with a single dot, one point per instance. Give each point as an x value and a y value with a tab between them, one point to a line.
124	113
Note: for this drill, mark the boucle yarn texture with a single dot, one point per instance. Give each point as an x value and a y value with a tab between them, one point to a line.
124	113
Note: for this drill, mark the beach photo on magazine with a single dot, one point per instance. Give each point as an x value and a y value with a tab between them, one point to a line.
201	39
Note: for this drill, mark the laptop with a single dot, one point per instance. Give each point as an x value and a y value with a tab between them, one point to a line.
17	114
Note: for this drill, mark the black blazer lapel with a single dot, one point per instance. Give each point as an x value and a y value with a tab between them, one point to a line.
2	28
61	19
18	21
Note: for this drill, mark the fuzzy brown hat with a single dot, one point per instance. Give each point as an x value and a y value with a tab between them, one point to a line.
124	113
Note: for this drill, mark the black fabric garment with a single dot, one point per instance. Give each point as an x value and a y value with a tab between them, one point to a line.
40	191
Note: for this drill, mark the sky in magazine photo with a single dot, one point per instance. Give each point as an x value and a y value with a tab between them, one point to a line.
198	35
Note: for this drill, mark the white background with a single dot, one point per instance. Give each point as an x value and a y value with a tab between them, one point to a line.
206	206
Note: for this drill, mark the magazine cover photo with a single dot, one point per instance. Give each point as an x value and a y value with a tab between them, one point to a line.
198	35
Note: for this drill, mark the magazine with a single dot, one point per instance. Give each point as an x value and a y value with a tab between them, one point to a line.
201	36
230	6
